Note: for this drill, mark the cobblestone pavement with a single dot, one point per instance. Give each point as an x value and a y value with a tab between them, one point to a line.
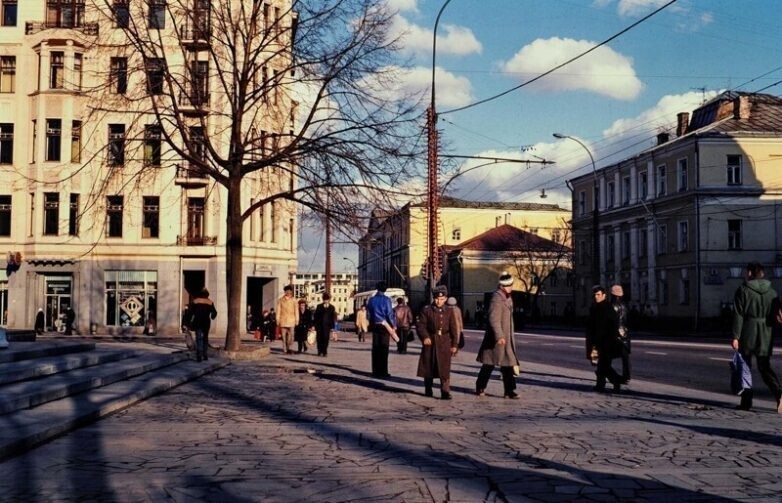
272	431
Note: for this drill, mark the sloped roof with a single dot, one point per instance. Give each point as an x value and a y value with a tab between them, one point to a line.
453	202
507	238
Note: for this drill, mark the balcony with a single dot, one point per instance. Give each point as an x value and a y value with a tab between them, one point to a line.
189	176
31	28
196	240
194	102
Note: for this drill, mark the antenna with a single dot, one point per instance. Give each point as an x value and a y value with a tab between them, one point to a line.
703	93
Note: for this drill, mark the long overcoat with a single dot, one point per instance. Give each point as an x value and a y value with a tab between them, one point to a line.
437	324
602	330
751	309
500	326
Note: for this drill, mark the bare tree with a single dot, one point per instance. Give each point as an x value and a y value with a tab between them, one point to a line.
277	100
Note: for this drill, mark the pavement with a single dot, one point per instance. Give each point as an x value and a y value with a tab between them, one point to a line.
304	428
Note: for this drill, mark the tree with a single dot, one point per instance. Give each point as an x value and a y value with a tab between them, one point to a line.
276	102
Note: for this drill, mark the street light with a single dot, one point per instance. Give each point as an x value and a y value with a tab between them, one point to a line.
595	215
355	267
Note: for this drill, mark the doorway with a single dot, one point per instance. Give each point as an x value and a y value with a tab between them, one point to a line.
254	305
58	299
193	282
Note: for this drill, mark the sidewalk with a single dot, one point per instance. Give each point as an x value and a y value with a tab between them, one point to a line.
302	428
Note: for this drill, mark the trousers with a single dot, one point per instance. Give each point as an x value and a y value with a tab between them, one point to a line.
380	342
508	379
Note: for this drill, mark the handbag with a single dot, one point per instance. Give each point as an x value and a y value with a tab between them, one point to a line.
312	338
740	374
516	370
461	341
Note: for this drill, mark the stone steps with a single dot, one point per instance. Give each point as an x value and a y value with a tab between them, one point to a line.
31	350
23	370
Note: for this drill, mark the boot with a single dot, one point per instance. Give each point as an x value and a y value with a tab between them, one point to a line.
746	400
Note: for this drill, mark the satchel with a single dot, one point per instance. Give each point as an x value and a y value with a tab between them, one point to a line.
312	338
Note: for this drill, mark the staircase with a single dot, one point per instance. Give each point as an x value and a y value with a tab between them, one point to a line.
50	388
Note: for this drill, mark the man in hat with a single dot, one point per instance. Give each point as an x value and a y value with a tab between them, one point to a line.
325	320
623	333
601	334
287	317
382	322
498	346
439	336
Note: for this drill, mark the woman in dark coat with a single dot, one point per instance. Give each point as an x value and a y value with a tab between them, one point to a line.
440	338
302	329
325	319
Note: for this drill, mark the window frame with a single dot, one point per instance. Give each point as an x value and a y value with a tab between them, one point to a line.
121	13
57	70
51	213
6	143
76	141
150	217
683	236
115	207
662	181
7	74
116	145
682	175
10	8
643	185
73	215
734	172
156	14
153	145
735	240
53	141
6	215
119	74
662	239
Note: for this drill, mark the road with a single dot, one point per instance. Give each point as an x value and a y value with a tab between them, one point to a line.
693	364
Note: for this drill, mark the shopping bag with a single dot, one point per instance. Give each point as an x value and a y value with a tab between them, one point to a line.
312	338
740	374
257	334
189	342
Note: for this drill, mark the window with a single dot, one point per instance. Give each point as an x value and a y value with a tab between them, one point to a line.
157	14
131	298
643	242
533	230
582	203
152	134
73	216
114	206
116	154
684	238
556	236
662	288
734	234
684	287
65	13
195	220
34	143
121	13
291	228
7	74
78	62
626	190
5	216
662	239
155	77
682	175
273	221
456	234
643	186
6	143
611	193
119	75
9	12
661	182
31	220
610	244
262	224
199	79
736	272
51	213
76	141
53	139
198	143
626	244
734	169
56	70
151	217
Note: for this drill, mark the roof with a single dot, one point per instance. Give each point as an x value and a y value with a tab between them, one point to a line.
452	202
507	238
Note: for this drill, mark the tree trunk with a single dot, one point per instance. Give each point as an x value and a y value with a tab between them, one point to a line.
233	264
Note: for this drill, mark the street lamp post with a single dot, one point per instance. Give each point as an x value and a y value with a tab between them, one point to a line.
595	211
355	268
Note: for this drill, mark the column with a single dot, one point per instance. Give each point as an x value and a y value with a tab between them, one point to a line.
651	189
633	184
634	276
651	240
603	254
602	189
617	252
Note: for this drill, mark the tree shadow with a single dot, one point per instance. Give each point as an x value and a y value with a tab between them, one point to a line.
764	439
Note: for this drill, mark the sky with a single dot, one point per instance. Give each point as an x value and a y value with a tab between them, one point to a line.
615	100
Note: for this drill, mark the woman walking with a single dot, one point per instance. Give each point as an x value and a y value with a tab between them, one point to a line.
303	327
362	323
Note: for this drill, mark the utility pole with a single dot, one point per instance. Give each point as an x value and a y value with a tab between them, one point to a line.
327	285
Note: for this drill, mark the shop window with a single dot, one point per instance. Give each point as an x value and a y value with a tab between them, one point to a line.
131	298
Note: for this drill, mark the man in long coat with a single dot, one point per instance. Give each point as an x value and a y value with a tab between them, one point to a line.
602	333
752	329
498	346
325	320
439	338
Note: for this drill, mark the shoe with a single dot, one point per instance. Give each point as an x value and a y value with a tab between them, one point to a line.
779	405
742	406
617	387
599	389
446	396
480	392
428	392
512	395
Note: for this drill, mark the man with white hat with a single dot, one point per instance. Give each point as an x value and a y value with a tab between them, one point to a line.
617	295
498	346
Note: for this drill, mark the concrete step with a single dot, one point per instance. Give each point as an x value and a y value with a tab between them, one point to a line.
26	394
29	369
24	429
30	350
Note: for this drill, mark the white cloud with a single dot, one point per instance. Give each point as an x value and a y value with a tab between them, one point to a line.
661	115
417	40
452	90
632	8
402	5
603	71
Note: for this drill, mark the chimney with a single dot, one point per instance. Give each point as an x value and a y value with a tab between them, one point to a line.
682	121
662	138
741	106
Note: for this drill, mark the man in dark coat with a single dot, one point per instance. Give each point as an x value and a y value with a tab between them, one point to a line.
439	335
602	334
325	320
70	317
202	312
498	346
39	321
382	323
752	330
404	322
302	329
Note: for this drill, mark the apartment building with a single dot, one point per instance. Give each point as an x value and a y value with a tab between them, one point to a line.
95	211
679	221
394	248
312	286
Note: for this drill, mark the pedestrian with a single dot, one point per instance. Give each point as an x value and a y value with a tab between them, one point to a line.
498	346
40	321
325	320
601	334
202	312
382	322
457	315
303	326
287	317
404	322
623	329
70	317
752	312
362	323
266	326
439	336
249	318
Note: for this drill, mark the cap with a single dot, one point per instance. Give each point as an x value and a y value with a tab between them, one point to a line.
506	279
440	291
598	288
616	291
451	301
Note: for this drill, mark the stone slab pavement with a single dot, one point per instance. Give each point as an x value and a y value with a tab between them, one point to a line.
308	429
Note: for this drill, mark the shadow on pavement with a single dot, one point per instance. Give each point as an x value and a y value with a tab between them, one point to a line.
735	434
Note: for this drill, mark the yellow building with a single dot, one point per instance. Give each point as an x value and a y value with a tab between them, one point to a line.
394	248
104	217
679	222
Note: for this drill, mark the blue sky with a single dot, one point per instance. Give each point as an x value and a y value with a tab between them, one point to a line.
615	99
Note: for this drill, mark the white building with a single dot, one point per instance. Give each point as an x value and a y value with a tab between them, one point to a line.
312	286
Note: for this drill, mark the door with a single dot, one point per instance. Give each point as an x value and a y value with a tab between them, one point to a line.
58	299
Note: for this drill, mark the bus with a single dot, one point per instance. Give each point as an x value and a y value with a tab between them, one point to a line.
360	299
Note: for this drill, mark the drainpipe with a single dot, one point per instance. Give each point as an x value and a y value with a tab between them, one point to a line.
697	237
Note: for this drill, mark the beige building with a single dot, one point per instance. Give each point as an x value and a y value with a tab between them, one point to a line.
312	286
679	221
103	216
394	248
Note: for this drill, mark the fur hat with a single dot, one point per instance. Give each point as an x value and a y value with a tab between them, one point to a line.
440	291
451	301
616	291
506	279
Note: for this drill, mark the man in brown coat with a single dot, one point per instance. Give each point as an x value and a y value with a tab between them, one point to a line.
498	346
287	317
440	337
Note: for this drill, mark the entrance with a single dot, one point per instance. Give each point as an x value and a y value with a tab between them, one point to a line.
58	299
254	299
193	282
